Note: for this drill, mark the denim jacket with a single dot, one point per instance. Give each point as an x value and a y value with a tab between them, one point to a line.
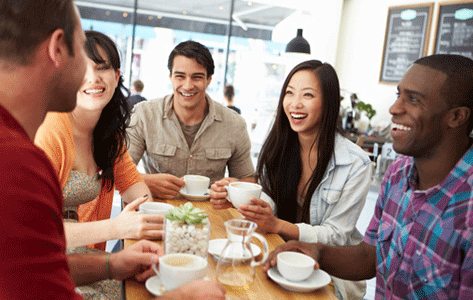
340	197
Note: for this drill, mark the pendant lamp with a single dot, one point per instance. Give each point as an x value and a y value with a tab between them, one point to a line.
298	44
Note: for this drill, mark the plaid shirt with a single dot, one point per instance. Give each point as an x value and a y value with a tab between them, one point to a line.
424	238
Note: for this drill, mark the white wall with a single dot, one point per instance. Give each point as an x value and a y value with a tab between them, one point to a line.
320	21
360	50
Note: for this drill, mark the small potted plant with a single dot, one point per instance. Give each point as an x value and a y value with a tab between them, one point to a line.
187	230
366	107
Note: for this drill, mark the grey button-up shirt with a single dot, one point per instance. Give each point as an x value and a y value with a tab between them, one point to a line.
222	140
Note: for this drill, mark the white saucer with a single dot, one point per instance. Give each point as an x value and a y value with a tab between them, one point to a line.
153	285
195	197
216	247
317	280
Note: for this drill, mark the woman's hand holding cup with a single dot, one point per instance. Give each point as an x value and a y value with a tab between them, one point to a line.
260	212
240	193
130	224
218	193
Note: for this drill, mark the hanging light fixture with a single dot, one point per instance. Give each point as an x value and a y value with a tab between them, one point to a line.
298	44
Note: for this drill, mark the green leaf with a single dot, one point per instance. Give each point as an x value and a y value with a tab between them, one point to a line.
370	112
188	214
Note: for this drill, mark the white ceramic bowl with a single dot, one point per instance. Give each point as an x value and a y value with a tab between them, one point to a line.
295	266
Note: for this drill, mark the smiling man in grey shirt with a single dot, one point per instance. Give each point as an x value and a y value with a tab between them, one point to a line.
187	132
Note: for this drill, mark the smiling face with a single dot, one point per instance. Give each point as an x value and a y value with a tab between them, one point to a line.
99	84
189	82
419	112
303	102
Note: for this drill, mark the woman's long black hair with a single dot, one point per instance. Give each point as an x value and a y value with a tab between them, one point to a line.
109	136
280	165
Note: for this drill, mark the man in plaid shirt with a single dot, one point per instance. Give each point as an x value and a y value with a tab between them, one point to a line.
419	241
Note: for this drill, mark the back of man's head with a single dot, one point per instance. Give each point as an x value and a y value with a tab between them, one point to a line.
25	24
229	92
138	85
195	50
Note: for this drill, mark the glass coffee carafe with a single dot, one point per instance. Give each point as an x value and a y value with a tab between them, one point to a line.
236	264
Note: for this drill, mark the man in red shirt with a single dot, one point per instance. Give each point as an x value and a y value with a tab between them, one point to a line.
42	65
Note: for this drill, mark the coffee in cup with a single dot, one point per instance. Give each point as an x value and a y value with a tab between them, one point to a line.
240	192
196	185
295	266
177	269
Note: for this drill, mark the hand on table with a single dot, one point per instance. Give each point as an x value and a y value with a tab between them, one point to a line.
261	213
197	290
310	249
135	260
163	186
218	193
132	225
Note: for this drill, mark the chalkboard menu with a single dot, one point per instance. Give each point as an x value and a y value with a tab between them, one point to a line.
455	29
406	40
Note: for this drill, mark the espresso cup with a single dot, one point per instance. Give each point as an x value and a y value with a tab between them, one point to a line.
177	269
155	208
295	266
241	192
196	185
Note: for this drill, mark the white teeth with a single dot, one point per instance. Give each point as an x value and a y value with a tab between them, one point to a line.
400	127
298	116
94	91
187	95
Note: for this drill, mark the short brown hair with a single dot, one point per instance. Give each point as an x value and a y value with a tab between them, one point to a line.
229	92
138	85
24	24
195	50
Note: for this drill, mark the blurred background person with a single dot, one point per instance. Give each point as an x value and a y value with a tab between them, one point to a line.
228	94
136	90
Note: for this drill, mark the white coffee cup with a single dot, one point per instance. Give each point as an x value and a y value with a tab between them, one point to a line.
295	266
196	185
240	192
179	268
155	208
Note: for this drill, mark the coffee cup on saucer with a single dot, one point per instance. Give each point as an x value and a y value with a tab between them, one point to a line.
295	266
196	185
155	208
241	192
177	269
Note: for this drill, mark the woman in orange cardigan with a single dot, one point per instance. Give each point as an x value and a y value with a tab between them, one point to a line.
87	148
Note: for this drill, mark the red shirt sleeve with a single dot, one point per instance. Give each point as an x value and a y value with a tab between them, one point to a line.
33	262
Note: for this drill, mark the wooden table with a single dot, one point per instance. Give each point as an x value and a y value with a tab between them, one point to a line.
262	288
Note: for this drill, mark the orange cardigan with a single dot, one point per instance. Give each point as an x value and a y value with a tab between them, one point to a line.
55	137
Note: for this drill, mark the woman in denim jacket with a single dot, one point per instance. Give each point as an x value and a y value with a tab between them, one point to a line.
314	180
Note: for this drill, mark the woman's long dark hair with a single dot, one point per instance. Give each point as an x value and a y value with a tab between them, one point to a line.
109	136
279	163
